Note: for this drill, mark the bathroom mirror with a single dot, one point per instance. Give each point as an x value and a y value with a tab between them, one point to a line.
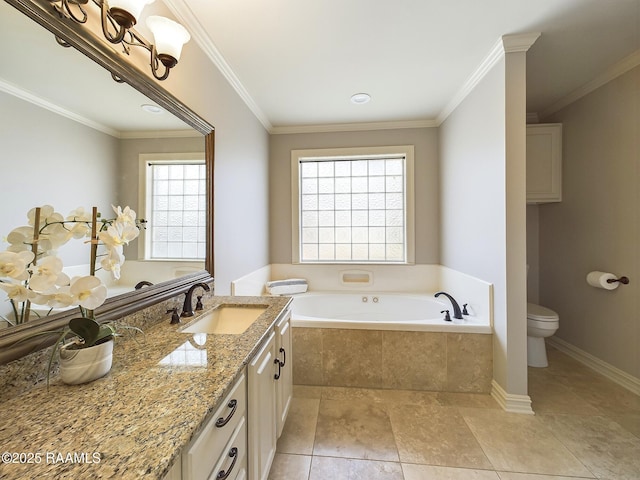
89	131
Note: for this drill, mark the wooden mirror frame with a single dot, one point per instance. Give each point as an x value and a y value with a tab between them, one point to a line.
19	341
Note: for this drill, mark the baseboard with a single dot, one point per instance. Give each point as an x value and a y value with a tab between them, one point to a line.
509	402
609	371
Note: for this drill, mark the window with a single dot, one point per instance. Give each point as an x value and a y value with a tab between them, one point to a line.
174	201
353	205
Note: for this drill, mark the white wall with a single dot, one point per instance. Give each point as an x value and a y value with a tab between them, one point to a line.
482	182
597	224
426	182
241	239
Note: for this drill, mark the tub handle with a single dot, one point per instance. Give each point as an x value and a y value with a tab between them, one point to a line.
284	357
447	317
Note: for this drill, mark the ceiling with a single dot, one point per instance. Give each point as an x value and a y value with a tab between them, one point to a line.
297	62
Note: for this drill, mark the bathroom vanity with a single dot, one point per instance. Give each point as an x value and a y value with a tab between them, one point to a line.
176	404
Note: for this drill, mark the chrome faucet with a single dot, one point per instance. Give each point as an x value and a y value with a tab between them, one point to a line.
187	308
456	308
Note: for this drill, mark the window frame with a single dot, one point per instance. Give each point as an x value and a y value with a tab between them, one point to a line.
363	153
144	242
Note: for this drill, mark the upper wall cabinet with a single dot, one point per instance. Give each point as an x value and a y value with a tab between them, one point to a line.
544	163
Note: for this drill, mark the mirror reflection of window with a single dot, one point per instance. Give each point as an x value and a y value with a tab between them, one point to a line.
174	203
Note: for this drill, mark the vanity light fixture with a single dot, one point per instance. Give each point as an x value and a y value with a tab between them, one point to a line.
118	18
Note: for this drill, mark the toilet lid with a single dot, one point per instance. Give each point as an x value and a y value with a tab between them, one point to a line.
540	313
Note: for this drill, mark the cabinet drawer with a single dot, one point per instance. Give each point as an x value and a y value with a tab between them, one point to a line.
201	456
234	456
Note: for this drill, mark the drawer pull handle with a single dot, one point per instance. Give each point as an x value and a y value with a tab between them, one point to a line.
221	422
279	364
284	357
222	475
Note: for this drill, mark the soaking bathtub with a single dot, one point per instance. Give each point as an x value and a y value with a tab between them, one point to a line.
380	311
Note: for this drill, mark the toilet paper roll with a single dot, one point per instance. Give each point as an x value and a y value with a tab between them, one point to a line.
599	280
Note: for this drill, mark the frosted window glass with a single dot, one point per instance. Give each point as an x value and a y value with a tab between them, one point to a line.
343	235
326	219
326	251
343	251
177	210
326	235
309	235
343	185
309	185
376	218
326	202
360	201
325	185
352	210
359	218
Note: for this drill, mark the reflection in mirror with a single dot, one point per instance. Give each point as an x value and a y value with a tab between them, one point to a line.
72	137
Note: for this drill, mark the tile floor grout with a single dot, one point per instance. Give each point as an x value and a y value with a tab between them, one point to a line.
564	438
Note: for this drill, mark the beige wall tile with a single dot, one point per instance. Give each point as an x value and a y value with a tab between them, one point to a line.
307	356
352	358
469	362
414	360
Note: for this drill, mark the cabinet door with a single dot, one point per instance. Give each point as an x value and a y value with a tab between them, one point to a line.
284	382
262	409
544	163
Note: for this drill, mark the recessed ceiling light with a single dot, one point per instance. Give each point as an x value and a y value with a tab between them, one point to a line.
360	98
155	109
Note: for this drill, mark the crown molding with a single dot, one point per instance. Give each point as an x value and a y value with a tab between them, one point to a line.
27	96
351	127
138	134
617	69
186	17
505	44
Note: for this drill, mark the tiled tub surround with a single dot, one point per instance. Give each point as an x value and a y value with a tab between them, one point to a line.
139	416
434	361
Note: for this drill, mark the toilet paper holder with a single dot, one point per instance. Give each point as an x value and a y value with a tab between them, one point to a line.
623	280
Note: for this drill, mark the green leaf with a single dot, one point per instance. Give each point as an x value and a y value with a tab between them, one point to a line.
86	328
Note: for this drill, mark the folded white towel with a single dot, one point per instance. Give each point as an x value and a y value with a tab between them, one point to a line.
287	287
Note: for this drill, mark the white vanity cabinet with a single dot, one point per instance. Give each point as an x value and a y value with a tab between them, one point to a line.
220	450
270	382
544	163
284	382
262	409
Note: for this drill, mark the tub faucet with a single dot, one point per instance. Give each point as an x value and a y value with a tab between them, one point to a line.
187	308
456	308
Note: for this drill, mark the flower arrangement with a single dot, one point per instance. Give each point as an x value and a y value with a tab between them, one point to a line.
31	272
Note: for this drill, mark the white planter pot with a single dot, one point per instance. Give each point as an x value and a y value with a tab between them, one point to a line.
86	364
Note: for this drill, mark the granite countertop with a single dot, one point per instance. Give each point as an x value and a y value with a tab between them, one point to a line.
133	422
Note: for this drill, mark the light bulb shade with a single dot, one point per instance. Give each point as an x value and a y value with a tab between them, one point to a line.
169	36
133	7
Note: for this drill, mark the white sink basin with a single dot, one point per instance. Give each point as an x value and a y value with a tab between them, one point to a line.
226	319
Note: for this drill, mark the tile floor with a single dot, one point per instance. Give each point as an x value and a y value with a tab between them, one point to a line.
585	427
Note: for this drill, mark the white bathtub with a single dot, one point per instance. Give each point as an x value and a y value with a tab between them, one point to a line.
380	311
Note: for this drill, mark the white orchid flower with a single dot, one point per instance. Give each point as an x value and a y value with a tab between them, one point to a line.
14	264
126	216
112	261
55	298
79	215
20	239
118	234
46	274
88	292
79	230
17	291
47	215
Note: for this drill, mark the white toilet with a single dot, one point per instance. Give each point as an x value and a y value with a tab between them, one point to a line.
542	322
